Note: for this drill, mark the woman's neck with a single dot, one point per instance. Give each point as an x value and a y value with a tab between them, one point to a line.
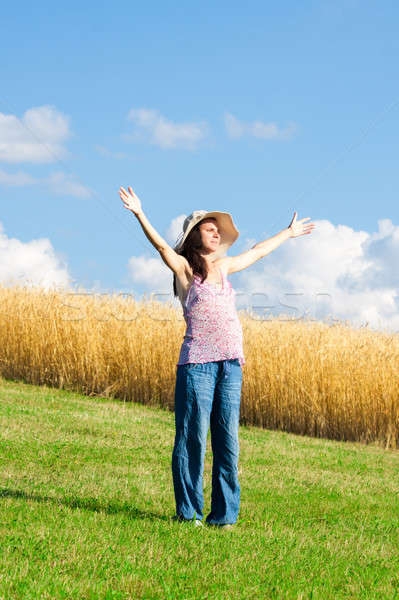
209	261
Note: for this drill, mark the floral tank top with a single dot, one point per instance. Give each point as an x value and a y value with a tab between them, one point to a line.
213	329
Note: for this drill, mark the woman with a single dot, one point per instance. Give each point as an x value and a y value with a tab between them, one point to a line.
209	369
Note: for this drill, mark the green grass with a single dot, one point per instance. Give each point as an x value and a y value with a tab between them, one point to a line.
87	498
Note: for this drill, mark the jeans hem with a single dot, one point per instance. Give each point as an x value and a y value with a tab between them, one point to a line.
218	524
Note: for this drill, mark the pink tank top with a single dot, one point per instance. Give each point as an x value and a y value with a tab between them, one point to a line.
213	330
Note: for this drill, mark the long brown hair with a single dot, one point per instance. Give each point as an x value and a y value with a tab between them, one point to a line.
190	250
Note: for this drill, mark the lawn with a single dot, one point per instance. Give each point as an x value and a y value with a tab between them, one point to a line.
87	498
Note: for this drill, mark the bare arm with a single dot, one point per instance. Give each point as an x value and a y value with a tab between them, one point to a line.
261	249
173	260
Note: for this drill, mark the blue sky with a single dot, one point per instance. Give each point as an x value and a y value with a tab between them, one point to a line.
256	108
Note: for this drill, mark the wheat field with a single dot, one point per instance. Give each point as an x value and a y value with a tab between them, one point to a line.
303	377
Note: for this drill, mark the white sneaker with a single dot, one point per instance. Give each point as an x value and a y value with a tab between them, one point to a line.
198	523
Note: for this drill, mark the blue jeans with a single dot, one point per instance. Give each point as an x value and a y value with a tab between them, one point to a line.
207	393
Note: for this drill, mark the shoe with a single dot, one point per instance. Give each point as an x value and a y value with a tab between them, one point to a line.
198	523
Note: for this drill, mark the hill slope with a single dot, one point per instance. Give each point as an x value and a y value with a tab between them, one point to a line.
87	499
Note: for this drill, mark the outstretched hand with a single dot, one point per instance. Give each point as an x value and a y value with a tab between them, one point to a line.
130	200
297	228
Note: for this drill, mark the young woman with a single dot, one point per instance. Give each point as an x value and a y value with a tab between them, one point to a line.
209	369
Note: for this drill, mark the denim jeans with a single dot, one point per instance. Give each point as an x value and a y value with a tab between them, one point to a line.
207	393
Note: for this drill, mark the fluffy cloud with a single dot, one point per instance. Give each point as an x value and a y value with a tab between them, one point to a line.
37	137
63	184
333	273
32	263
258	129
19	179
153	275
152	127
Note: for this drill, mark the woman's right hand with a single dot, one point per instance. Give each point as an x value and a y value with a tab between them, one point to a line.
130	200
297	228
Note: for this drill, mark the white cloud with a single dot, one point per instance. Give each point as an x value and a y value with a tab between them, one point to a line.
37	137
258	129
31	263
64	184
59	183
19	179
153	275
152	127
335	271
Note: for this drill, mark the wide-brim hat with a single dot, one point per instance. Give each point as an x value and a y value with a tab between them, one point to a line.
227	230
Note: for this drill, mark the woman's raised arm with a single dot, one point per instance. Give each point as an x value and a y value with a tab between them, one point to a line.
261	249
132	202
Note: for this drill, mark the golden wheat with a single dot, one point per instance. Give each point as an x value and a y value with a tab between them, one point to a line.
308	378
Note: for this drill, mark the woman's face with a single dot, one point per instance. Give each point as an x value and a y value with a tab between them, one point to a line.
210	236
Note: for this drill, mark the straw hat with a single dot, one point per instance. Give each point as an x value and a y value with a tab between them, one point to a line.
228	231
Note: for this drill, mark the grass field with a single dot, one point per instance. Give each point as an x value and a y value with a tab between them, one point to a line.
87	498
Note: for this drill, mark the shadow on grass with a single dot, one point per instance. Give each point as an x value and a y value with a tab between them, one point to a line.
111	508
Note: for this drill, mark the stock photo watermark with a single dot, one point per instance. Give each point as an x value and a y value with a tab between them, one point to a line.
289	306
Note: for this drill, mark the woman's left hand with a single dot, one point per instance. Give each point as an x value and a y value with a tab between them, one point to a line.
297	228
